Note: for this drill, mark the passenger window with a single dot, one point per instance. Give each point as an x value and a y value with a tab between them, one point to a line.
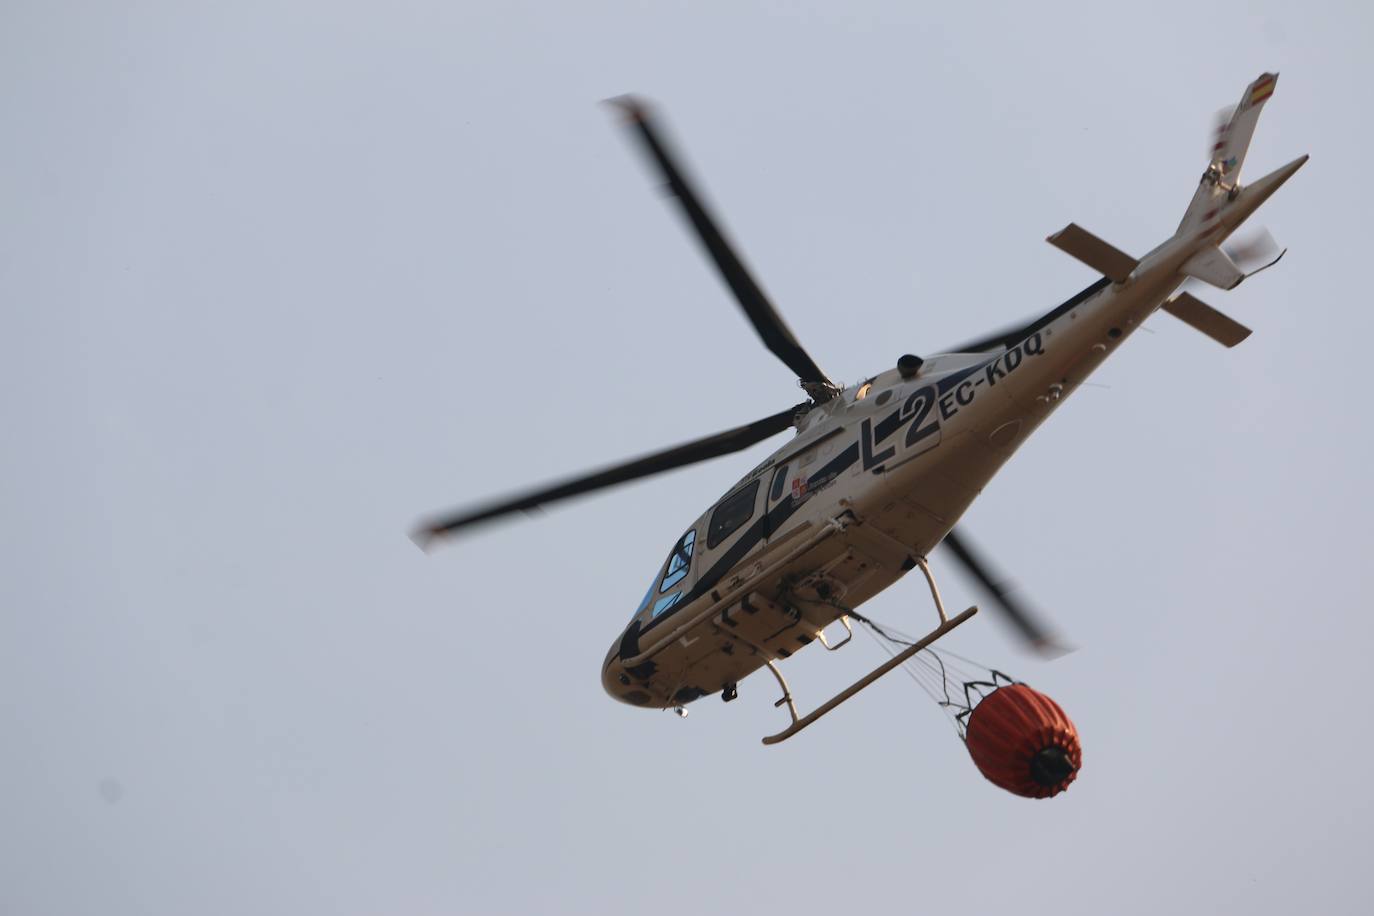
779	483
733	511
679	561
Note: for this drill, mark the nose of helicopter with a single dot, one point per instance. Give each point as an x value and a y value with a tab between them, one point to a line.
618	683
612	671
615	680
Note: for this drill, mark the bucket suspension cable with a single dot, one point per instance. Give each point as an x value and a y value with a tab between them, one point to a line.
954	682
1018	737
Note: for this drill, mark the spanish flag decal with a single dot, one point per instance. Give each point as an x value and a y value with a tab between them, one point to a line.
1262	88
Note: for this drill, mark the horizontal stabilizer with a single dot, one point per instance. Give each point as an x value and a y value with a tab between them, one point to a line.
1109	261
1193	311
1214	266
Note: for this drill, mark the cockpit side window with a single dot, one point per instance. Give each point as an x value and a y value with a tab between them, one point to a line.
733	511
678	565
679	561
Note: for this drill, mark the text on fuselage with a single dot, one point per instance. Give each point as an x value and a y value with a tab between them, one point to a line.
923	411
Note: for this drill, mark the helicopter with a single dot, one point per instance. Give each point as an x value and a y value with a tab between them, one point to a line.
877	474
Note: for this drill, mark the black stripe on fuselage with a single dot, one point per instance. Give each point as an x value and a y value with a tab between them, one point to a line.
1013	338
771	521
774	519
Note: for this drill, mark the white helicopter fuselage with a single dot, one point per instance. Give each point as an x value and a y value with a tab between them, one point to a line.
876	477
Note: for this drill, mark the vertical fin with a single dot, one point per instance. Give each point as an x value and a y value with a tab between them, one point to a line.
1234	139
1228	155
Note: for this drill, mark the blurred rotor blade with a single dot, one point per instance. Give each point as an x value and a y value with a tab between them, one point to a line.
1220	121
724	443
765	318
1250	256
1020	615
1252	252
1002	337
1013	334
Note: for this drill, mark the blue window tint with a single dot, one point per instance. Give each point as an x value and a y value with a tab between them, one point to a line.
678	566
679	561
666	602
647	597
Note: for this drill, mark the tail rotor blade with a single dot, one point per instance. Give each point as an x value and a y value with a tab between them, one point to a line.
1254	251
1220	121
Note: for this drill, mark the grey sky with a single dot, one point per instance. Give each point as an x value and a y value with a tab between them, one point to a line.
279	279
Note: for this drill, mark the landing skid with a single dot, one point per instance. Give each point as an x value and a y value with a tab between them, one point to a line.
800	722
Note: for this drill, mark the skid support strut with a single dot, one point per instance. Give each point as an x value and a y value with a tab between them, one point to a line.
800	722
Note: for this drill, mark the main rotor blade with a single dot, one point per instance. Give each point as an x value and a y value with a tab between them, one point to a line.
765	318
732	440
1013	609
1014	334
1006	336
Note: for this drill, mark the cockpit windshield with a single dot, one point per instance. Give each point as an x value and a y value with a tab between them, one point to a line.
674	571
679	561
